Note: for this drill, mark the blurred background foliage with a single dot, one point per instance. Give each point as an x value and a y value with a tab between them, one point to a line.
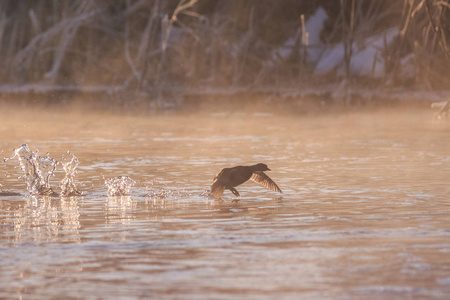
153	46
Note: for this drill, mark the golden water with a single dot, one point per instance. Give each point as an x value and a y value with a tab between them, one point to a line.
364	214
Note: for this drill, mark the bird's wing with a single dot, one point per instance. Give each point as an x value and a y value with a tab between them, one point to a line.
264	180
217	187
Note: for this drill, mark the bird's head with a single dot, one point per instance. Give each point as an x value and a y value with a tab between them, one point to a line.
261	167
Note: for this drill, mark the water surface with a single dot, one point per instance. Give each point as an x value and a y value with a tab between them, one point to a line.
364	214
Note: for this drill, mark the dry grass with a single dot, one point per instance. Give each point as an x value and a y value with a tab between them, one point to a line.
157	47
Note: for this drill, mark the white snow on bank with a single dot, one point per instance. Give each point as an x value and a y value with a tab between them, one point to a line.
313	27
363	56
367	57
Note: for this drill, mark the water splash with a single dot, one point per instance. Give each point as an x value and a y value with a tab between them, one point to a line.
67	184
160	194
36	170
119	186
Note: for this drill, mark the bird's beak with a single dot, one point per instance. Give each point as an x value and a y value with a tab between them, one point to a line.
269	169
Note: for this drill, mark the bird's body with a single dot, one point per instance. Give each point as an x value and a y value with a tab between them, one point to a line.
229	178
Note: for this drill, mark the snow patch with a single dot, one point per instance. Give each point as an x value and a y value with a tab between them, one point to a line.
314	26
362	60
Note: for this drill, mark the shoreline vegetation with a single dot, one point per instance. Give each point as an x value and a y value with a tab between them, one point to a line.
184	54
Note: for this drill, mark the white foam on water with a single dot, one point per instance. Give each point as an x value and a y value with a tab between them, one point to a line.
119	186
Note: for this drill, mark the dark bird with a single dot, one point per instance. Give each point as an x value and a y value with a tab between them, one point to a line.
228	178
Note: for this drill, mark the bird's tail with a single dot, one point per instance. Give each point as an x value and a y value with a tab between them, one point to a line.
217	190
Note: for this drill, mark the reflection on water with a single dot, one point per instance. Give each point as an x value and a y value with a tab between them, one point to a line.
45	219
119	209
364	212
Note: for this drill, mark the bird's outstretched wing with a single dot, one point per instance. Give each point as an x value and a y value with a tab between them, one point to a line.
264	180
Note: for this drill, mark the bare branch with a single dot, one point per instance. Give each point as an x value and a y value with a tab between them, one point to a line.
408	18
441	3
127	53
438	31
66	39
51	32
418	7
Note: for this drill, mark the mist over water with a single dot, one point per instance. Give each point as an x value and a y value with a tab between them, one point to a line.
364	211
